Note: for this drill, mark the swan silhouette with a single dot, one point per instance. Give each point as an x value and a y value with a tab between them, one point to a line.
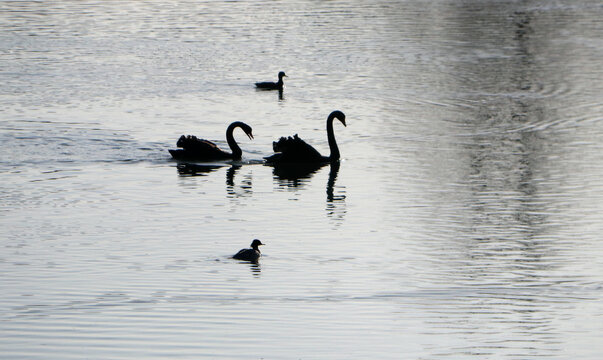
292	149
252	254
194	148
272	85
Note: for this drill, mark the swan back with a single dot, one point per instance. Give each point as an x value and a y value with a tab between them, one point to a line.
292	149
193	143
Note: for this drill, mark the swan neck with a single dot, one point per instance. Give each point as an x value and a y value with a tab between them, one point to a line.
332	143
234	147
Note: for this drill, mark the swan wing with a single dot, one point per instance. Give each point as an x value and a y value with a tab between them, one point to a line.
294	149
193	148
191	142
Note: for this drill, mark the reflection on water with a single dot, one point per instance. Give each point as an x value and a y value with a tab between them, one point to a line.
279	93
187	169
245	187
287	176
256	268
336	208
232	189
331	197
294	175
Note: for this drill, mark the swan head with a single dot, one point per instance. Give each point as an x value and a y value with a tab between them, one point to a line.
339	116
255	243
281	75
247	129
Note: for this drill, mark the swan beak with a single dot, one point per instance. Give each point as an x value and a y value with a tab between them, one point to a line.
343	122
250	135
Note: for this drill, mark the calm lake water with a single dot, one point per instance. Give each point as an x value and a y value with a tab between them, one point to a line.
464	221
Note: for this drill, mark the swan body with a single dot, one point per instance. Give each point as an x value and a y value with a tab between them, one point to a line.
292	149
272	85
252	254
195	149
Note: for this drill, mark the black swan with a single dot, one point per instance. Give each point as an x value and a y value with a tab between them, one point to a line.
295	150
252	254
272	85
194	148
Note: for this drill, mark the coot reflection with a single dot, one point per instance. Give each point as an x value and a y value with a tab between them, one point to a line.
292	149
195	149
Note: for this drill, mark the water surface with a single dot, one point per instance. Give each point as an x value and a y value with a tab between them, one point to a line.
462	222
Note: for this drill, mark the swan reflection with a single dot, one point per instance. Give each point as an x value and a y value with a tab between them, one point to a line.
232	190
230	173
335	208
294	176
331	196
186	169
286	176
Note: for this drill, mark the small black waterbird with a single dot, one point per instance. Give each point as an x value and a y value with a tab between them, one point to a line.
272	85
252	254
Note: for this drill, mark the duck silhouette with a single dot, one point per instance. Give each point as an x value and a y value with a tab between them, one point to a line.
252	254
267	85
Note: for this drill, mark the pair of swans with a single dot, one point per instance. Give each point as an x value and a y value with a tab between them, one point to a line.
290	149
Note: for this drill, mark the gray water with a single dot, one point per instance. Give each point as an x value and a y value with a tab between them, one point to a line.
463	222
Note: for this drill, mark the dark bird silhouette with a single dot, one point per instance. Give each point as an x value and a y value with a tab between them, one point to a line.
272	85
252	254
292	149
195	149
